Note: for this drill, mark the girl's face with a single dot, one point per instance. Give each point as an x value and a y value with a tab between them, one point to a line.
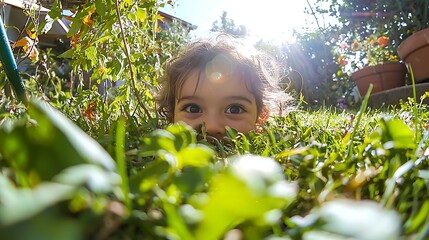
218	101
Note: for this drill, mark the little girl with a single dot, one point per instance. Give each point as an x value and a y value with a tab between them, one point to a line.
220	82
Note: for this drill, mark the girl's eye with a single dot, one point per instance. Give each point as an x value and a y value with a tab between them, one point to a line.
235	109
192	108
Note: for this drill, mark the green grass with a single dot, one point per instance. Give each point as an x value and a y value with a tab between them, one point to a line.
310	174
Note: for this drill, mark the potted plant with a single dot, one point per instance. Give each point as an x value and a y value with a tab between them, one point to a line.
372	60
399	18
414	49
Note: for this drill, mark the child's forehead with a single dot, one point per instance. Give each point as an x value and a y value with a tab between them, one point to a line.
195	78
222	64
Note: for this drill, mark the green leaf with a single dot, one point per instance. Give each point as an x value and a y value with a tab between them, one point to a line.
401	134
44	226
67	54
20	204
75	27
87	148
184	135
100	7
252	189
193	179
77	21
55	12
173	139
394	133
94	177
51	145
149	176
158	140
91	54
196	155
420	218
141	14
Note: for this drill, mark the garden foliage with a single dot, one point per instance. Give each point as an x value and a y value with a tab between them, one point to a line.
79	164
318	54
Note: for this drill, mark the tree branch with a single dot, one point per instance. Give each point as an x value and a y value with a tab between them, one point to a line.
127	53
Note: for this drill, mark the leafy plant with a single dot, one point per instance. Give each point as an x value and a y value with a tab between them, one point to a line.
356	53
396	19
313	68
55	171
315	71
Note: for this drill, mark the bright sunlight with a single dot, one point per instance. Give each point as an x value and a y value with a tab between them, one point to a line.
271	20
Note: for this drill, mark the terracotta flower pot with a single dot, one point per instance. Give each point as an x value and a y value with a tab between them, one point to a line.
414	50
383	77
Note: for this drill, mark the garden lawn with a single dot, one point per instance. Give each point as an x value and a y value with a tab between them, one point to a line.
311	174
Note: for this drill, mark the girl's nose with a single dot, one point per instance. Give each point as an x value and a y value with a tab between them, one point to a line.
215	127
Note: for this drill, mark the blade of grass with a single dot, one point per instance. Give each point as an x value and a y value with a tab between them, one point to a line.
424	232
417	135
358	119
120	158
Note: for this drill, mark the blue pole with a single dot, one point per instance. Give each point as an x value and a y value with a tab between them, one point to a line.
9	65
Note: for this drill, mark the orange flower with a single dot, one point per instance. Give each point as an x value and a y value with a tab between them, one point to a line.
342	61
383	41
89	113
100	70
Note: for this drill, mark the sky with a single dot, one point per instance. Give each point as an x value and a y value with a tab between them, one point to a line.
271	20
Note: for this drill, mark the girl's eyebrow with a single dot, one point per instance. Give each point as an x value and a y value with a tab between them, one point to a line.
242	98
229	98
194	98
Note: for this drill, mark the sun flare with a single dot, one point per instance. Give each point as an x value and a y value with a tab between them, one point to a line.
274	20
271	20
